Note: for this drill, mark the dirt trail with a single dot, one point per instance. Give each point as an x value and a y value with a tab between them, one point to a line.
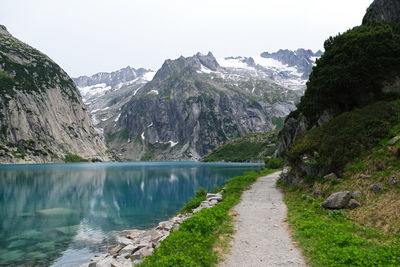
261	237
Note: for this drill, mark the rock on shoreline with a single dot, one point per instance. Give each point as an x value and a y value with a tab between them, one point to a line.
134	245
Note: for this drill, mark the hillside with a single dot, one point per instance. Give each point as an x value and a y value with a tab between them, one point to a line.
342	151
42	116
250	148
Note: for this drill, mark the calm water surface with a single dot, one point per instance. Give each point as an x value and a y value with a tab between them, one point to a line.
61	214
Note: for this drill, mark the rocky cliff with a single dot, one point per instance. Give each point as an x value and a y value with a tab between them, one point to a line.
194	104
42	115
383	10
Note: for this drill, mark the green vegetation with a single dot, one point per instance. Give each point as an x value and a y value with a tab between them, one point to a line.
195	202
347	136
330	238
31	72
192	244
119	135
74	158
275	163
352	70
252	147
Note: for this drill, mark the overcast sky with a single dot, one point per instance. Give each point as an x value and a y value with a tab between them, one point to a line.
89	36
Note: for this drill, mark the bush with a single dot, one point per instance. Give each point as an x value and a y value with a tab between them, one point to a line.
352	70
275	163
74	158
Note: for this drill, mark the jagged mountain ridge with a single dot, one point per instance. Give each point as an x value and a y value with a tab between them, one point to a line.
302	59
42	115
197	103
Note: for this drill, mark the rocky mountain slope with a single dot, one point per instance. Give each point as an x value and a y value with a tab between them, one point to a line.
194	104
105	93
42	116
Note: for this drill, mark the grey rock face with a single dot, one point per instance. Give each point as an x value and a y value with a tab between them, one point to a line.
383	10
289	177
290	131
41	110
337	200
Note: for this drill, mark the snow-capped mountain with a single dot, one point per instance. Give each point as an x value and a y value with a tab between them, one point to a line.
104	93
193	104
101	83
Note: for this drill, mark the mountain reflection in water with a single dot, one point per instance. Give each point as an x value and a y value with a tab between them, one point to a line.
62	213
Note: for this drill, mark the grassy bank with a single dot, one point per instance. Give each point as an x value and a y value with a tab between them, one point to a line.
332	238
193	244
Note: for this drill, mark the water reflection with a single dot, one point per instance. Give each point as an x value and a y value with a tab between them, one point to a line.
65	211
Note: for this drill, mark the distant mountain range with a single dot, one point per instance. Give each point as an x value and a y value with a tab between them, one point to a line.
194	104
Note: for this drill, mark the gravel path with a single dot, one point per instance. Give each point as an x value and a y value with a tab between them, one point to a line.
261	237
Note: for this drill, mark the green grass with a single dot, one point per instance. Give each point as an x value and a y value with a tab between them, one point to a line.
74	158
192	244
330	238
255	146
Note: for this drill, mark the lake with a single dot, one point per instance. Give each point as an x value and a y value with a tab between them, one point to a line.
62	214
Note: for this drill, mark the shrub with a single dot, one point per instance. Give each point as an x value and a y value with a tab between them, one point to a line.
275	163
74	158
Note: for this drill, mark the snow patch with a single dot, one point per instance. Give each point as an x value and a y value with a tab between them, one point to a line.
117	118
153	92
151	124
233	63
271	63
148	76
142	136
172	143
204	69
96	89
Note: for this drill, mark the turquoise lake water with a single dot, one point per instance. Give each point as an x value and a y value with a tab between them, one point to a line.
62	214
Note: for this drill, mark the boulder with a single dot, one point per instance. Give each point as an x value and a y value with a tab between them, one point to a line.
353	204
376	188
166	225
330	176
356	194
127	249
217	197
337	200
393	180
288	177
114	251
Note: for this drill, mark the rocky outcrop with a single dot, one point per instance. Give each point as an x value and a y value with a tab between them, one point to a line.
42	116
290	131
383	10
